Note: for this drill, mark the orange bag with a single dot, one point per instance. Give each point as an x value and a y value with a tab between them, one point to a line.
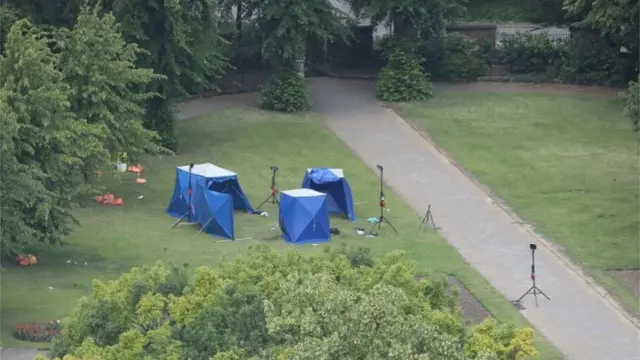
141	181
135	168
32	260
108	198
118	201
99	198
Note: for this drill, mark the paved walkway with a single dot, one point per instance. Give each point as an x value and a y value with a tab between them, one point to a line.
19	354
579	321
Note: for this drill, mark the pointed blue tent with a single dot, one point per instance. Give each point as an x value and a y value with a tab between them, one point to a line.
214	211
333	183
214	178
303	216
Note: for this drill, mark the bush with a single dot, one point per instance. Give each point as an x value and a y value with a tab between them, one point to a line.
271	305
285	92
632	104
464	57
402	79
590	59
529	53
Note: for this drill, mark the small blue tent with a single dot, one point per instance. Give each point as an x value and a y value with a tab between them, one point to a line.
303	216
214	211
333	183
214	178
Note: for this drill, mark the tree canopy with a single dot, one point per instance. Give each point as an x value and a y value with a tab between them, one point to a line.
67	113
270	305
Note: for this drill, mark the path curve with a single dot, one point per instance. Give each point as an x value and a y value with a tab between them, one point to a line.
578	320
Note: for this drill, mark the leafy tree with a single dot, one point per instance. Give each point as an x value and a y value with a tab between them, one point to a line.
272	306
44	139
286	26
182	42
8	15
107	90
619	20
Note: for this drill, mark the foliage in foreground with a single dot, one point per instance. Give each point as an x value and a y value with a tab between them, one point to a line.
632	104
269	305
402	79
285	92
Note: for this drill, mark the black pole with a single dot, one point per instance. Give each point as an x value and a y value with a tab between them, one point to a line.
189	192
381	191
273	184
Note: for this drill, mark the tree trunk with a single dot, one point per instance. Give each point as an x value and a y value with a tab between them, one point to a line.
239	17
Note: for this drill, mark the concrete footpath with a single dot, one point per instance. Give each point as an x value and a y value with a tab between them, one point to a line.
579	321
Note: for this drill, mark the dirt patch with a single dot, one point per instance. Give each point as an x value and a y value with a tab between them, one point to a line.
628	278
472	309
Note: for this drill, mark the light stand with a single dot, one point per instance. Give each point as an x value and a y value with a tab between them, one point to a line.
382	205
186	215
274	190
533	289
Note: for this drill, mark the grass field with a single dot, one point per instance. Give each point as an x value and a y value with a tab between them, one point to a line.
567	163
112	239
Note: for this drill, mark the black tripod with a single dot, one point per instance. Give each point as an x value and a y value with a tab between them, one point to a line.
382	205
189	212
274	190
533	289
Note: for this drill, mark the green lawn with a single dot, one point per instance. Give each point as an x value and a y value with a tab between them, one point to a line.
112	239
567	163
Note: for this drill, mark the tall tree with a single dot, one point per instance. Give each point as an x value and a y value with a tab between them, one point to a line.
107	90
48	140
285	27
269	306
618	19
182	42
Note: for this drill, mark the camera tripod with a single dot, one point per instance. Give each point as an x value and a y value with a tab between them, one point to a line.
382	204
533	290
189	212
274	190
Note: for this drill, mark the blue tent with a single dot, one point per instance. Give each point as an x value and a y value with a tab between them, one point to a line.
333	183
214	178
214	211
303	216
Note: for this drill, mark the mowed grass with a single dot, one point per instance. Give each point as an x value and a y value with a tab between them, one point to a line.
568	163
113	239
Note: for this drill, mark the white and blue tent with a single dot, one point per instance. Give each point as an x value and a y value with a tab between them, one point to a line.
303	216
333	183
214	211
214	178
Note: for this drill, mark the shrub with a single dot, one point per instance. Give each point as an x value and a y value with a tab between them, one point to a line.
285	92
36	332
464	57
589	59
402	79
271	305
632	104
529	53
